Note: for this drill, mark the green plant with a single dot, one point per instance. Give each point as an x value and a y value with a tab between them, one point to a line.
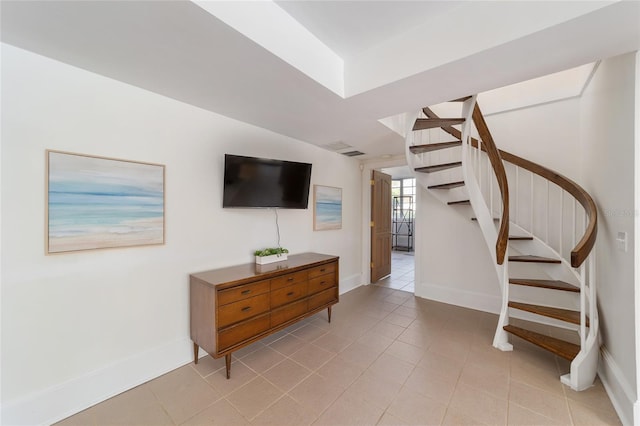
270	251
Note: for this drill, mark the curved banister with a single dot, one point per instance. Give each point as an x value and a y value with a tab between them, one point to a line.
584	364
488	145
501	176
586	243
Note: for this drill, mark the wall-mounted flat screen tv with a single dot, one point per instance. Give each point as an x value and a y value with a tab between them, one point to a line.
261	182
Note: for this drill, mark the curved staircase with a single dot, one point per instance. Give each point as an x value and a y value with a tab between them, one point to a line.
540	228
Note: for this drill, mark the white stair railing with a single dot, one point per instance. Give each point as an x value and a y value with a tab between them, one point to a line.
551	214
483	208
553	227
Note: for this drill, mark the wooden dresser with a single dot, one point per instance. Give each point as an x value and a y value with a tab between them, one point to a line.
235	306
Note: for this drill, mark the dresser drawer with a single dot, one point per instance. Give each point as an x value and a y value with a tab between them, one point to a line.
286	313
240	332
322	282
238	311
323	298
288	294
288	279
241	292
321	270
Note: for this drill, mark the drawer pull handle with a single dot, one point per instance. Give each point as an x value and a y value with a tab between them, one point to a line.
323	282
246	309
290	279
246	291
322	270
291	293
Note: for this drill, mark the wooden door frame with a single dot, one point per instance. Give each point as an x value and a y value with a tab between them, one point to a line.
366	169
381	232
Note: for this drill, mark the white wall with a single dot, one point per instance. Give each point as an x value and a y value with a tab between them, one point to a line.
78	328
549	135
607	124
452	259
546	134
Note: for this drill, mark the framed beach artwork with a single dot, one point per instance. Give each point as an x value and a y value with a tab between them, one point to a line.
327	208
97	203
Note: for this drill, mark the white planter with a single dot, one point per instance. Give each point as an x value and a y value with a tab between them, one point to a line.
263	260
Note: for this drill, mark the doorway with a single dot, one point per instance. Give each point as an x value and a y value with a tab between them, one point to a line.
403	207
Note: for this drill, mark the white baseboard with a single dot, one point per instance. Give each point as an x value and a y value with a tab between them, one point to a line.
61	401
618	388
455	296
58	402
349	283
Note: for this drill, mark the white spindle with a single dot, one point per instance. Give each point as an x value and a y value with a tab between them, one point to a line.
490	178
573	217
561	233
515	219
479	166
531	205
546	232
592	287
583	295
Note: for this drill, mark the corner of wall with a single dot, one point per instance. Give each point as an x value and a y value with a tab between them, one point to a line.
459	297
618	388
350	283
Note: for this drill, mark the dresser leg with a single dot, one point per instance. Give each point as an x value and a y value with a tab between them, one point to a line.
195	352
329	313
227	361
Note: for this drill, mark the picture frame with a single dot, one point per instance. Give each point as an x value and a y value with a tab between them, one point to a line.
327	208
95	202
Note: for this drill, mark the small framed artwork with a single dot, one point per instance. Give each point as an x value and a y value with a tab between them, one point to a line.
97	203
327	208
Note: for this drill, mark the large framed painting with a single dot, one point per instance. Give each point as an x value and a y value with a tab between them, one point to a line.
327	208
98	202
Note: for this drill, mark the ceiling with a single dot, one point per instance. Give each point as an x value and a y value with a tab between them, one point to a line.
351	27
322	71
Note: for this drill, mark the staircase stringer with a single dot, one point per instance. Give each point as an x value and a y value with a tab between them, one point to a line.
580	267
481	209
485	218
583	367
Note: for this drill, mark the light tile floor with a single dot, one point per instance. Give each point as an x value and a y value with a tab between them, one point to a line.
387	358
402	272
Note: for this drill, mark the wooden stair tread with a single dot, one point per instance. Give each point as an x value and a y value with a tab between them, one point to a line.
447	185
559	347
533	259
551	284
419	149
459	203
432	123
438	167
520	238
548	311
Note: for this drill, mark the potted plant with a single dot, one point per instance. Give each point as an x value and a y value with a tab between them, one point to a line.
270	255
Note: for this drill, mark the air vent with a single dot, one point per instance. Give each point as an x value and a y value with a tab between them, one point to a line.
352	153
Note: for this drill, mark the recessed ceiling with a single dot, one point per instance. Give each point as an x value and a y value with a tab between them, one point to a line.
350	27
182	51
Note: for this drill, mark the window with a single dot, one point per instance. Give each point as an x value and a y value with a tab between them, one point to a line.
403	197
405	188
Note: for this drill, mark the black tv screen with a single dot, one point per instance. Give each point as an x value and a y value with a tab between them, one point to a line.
261	182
